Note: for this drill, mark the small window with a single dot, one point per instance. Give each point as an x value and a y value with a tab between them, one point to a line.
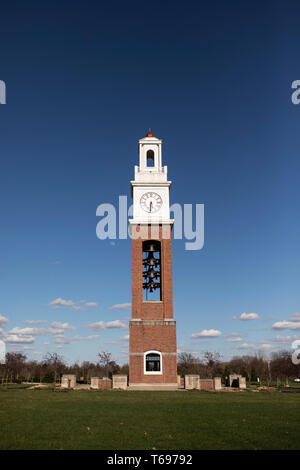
150	158
153	362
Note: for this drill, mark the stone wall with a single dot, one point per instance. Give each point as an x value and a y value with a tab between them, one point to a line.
243	382
217	383
68	381
237	381
192	382
120	381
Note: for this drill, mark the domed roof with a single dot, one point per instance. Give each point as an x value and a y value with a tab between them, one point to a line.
149	134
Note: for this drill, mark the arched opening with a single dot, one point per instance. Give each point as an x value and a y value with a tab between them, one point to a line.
150	158
152	362
152	270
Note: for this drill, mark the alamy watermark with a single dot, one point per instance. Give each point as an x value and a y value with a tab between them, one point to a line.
295	96
2	352
2	92
185	227
296	353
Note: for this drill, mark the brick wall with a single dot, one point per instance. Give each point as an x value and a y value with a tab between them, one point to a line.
136	370
207	384
152	310
161	334
105	384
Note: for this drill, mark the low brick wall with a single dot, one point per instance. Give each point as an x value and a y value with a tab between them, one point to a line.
207	384
101	384
105	384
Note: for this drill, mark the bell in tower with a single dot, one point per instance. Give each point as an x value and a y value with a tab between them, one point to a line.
151	270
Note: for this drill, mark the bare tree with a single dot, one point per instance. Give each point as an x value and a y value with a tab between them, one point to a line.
104	361
213	363
14	364
282	366
55	363
186	363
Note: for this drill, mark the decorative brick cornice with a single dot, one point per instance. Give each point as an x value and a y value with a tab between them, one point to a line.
152	322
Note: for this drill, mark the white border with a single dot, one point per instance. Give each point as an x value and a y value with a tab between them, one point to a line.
161	366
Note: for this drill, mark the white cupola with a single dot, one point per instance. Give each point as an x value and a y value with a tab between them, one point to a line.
150	187
150	159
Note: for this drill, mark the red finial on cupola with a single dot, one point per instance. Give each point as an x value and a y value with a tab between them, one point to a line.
149	133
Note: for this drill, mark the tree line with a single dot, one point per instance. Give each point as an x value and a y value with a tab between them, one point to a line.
17	368
279	367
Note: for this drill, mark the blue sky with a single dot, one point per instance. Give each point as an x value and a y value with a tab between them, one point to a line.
85	81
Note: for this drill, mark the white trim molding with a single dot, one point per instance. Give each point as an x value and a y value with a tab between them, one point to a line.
158	372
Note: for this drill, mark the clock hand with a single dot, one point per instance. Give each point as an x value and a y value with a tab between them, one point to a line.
150	205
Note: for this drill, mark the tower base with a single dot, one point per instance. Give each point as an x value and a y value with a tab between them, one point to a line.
157	387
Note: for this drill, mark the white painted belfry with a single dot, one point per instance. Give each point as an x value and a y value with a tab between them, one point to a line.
150	180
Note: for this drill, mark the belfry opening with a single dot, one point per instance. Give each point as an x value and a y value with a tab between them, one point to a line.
151	270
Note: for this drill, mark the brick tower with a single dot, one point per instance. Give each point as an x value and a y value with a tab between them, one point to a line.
152	329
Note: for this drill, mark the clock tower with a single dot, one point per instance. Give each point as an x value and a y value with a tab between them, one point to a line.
152	329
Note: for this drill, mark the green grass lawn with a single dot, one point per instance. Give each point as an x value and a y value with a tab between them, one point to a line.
43	419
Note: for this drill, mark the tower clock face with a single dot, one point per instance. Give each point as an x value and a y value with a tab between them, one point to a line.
151	202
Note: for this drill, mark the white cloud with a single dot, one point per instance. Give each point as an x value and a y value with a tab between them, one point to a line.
234	339
55	331
85	338
206	334
125	338
64	326
59	302
295	317
59	329
20	348
34	322
3	320
125	306
286	325
285	339
267	346
249	316
246	346
101	325
19	339
28	331
62	340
